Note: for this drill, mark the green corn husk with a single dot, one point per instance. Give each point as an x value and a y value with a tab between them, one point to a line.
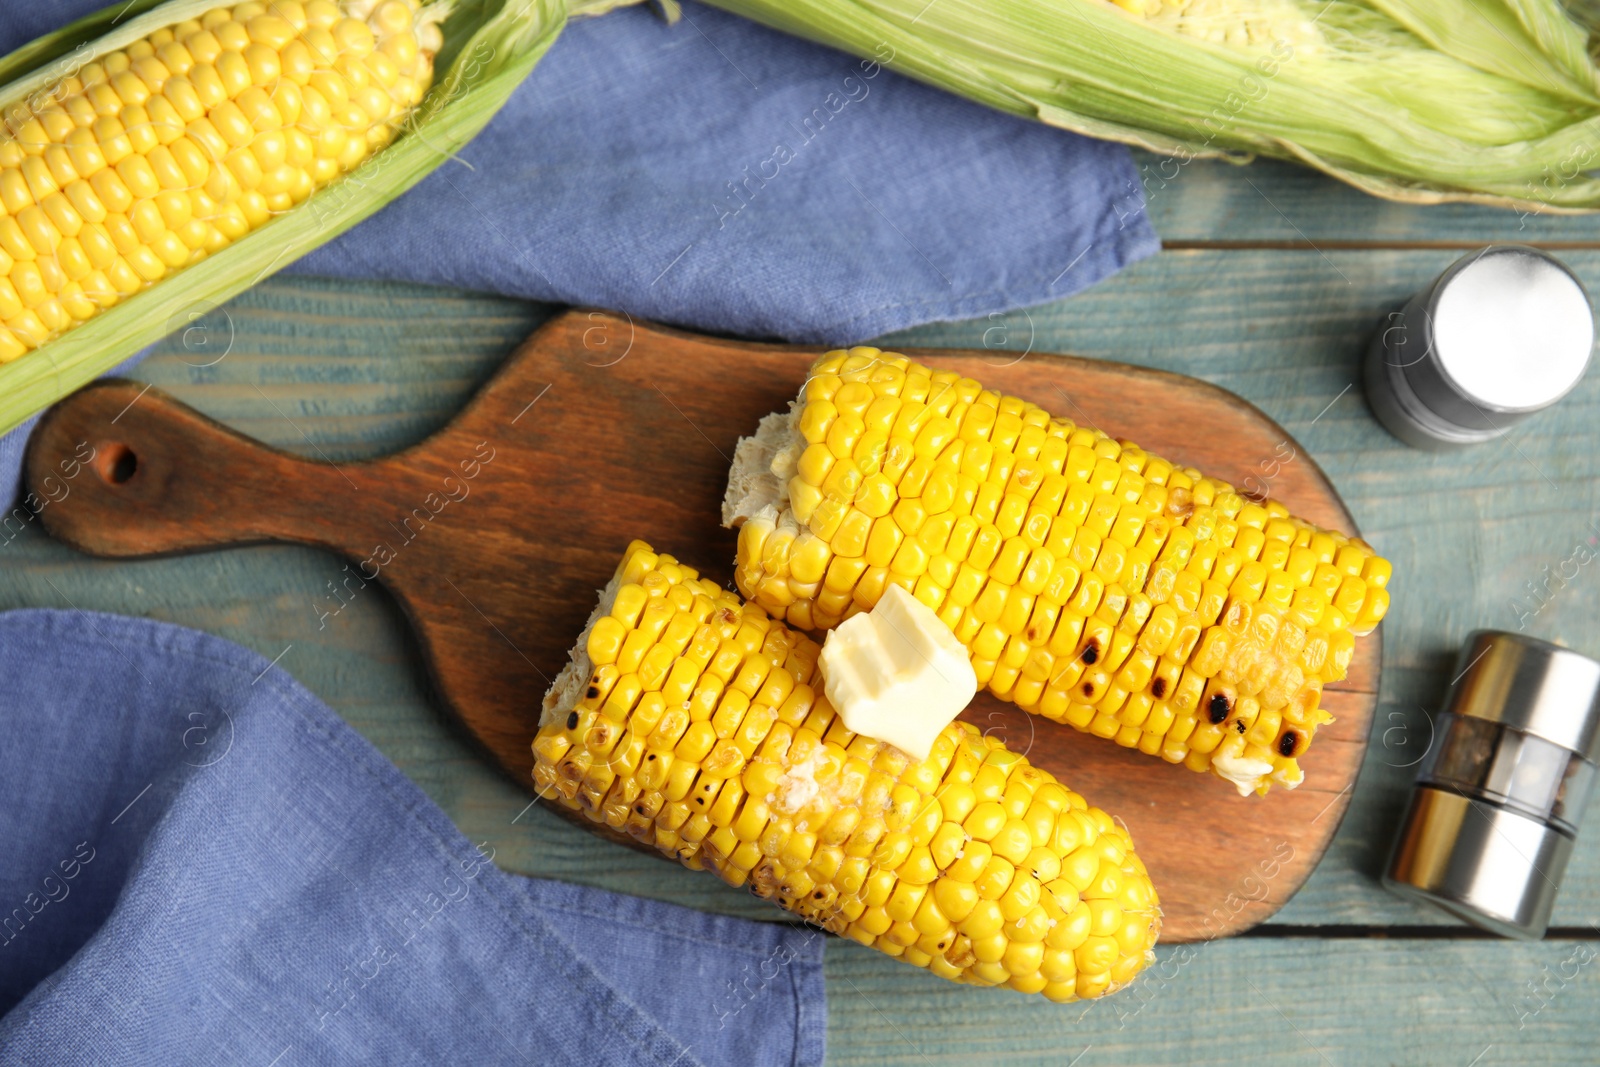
1495	101
489	47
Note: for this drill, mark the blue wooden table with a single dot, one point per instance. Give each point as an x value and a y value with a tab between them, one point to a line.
1270	283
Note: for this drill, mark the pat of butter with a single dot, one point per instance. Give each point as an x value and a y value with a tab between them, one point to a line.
1246	774
897	674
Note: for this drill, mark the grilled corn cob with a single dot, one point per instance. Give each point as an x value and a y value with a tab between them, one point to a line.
698	725
1091	583
151	157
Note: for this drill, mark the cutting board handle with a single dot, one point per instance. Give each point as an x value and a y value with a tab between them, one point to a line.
148	475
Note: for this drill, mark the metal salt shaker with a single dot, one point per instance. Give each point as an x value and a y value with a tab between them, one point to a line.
1503	333
1499	797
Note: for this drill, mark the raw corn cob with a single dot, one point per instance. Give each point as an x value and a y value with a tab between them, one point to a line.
1091	583
1424	101
1262	24
153	156
697	724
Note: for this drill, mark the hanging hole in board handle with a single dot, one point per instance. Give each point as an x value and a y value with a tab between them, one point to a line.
115	463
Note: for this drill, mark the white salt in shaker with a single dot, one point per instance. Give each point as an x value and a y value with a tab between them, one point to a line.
1505	332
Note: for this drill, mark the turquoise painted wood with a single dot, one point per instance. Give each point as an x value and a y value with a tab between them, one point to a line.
1216	203
1277	1001
1346	974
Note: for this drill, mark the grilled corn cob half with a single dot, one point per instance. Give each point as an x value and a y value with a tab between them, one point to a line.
698	724
151	157
1091	582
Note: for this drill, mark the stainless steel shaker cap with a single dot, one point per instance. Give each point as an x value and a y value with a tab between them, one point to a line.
1530	685
1492	819
1504	332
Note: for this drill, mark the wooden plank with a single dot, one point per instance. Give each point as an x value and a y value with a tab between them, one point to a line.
1254	1000
1215	203
1282	329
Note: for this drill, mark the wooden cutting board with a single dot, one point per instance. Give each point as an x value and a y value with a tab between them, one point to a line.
494	534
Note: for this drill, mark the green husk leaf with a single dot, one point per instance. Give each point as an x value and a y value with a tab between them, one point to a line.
1531	43
1496	101
490	47
43	50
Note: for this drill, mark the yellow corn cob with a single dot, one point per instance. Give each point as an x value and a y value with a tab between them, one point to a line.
1258	24
152	157
698	725
1092	583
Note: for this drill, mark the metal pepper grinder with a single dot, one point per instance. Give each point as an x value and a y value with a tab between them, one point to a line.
1498	799
1504	332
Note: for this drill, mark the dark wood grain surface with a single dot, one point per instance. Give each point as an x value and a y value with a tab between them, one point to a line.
494	533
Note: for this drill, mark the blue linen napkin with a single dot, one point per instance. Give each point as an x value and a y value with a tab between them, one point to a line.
200	863
722	176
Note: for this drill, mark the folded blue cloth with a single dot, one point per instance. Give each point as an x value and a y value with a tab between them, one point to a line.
200	863
725	177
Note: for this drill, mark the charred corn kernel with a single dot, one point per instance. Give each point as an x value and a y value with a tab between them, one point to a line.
1083	589
220	105
956	863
